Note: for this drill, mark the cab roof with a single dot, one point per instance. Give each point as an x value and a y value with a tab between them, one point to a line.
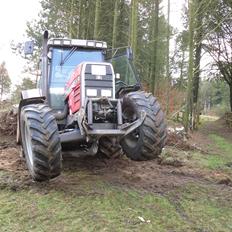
60	42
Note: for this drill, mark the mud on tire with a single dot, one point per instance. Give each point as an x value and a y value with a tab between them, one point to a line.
41	142
147	141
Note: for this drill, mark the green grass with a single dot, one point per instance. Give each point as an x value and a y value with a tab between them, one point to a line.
111	210
223	145
206	209
208	118
106	208
219	160
210	161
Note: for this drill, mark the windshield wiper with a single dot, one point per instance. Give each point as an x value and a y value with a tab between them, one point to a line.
68	55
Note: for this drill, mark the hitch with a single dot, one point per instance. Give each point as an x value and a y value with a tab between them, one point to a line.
98	130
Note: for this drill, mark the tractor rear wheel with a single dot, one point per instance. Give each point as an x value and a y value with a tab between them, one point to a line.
110	148
147	141
40	142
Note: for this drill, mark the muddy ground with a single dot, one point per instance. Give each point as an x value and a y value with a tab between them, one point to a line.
159	176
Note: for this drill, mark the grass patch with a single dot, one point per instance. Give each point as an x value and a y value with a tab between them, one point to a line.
223	145
207	118
103	207
205	208
219	160
211	161
109	210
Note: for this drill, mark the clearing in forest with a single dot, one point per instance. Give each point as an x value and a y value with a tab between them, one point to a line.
185	190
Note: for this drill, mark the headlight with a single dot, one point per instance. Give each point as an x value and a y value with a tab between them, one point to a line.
91	93
67	42
90	43
57	42
106	93
99	45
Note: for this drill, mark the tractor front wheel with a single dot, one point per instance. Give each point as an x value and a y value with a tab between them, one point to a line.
40	142
147	141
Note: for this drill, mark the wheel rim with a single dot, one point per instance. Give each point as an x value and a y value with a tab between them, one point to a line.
28	144
130	114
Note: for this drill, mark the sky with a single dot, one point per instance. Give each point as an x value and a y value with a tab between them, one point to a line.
175	12
13	18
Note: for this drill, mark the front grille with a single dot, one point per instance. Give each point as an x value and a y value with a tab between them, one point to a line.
98	82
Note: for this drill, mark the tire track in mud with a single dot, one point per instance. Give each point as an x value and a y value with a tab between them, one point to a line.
149	176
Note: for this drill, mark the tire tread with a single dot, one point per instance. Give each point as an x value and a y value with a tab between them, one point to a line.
153	129
45	141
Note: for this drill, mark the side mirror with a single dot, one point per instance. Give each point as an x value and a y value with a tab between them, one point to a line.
117	76
29	48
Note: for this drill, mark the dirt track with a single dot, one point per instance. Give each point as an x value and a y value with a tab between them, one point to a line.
143	175
146	176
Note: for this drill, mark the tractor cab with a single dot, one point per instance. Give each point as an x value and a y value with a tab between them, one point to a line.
62	58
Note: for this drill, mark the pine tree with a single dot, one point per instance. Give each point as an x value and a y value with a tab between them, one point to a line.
154	72
168	61
97	20
26	83
219	37
115	28
5	81
188	111
110	21
134	26
197	59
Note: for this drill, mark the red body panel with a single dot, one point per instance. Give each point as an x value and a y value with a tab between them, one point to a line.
73	90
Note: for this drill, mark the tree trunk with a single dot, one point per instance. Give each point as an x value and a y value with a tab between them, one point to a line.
155	49
1	94
88	12
169	81
79	32
85	20
182	70
1	83
197	62
96	33
188	111
196	76
134	26
71	34
114	36
230	97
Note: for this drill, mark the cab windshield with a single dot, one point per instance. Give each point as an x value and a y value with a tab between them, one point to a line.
63	63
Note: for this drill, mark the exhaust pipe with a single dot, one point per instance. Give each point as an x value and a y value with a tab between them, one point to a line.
45	65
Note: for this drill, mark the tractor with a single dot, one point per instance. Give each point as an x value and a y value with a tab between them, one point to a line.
88	101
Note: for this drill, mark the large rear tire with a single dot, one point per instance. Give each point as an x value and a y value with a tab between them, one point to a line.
147	141
40	142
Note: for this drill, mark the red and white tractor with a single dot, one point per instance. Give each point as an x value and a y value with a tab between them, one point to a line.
86	104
